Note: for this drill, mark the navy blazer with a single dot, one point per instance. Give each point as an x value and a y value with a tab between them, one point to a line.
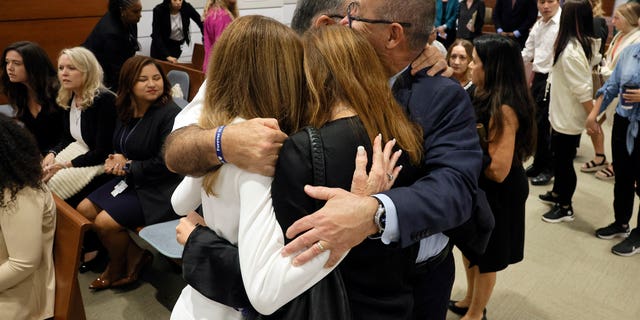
161	27
520	17
154	183
443	199
96	127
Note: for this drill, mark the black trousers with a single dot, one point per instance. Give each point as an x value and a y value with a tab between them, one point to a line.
627	169
563	147
433	290
543	159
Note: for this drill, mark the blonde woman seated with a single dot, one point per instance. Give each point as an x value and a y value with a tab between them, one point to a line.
89	120
27	225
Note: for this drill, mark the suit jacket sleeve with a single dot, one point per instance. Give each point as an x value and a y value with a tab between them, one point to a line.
66	137
530	16
497	14
443	198
103	119
193	14
160	30
479	17
453	9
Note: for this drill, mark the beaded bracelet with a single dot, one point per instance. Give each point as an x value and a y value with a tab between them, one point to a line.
219	144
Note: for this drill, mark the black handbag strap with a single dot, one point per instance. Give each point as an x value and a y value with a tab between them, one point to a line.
317	159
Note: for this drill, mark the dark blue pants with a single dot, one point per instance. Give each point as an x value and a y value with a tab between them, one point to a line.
433	290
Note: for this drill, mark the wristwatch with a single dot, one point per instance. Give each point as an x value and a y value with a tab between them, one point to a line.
380	218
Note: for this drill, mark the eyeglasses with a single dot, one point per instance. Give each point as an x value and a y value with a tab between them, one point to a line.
336	17
351	18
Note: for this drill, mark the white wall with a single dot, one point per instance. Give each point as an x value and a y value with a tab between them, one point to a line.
281	10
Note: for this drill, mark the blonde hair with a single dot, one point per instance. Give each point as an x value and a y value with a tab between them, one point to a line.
255	71
630	11
341	66
232	8
92	76
597	8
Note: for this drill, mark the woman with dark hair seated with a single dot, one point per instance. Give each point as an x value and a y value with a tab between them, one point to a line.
28	80
27	226
140	193
170	28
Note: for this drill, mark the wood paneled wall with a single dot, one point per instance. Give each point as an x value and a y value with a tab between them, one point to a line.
53	24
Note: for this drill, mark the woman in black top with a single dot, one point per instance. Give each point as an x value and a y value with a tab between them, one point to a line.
115	38
470	19
141	191
505	108
170	28
28	80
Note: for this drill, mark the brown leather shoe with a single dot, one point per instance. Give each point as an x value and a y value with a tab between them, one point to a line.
145	259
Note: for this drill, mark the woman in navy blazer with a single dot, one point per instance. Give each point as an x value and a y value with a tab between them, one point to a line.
445	22
170	28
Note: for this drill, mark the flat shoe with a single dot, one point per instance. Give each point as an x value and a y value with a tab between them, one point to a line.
606	174
593	166
457	310
145	259
463	310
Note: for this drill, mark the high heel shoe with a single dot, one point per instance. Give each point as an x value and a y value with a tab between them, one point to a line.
145	259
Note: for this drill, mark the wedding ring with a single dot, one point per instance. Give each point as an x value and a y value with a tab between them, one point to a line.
319	246
389	176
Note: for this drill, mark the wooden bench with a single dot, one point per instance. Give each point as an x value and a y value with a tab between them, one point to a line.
67	247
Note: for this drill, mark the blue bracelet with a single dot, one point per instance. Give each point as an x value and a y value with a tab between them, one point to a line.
219	145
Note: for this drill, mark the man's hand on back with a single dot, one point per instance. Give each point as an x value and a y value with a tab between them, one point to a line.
344	222
433	58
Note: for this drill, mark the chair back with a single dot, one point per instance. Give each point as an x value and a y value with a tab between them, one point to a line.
67	245
181	78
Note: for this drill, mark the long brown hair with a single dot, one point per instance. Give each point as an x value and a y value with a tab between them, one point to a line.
255	71
125	100
341	66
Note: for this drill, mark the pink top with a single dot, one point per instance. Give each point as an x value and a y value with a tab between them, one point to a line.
216	21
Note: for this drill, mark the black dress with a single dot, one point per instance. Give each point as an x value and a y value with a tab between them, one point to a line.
45	127
378	277
147	199
507	201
